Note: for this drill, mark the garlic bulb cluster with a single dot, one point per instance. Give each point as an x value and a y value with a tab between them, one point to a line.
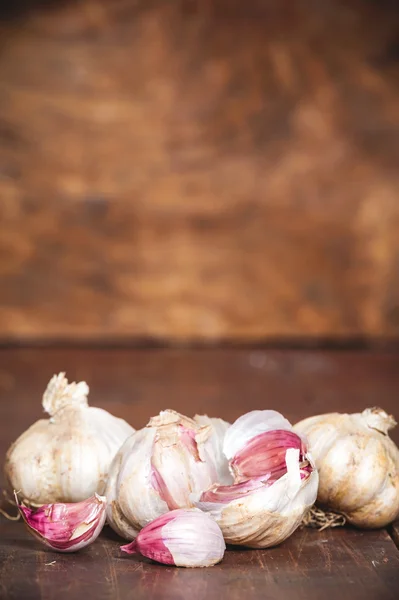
275	482
66	527
65	458
159	467
358	465
184	537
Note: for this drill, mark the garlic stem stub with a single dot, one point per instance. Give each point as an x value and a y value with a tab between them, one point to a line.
182	537
65	458
275	482
66	527
358	465
157	469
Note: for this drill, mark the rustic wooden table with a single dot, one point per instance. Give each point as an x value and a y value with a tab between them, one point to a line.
135	384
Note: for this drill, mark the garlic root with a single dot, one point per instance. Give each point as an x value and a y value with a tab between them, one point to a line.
319	519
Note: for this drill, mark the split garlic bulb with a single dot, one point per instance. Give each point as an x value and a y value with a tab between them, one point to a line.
275	482
65	458
358	465
157	469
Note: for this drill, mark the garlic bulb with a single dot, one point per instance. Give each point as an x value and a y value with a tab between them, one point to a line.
183	537
157	469
66	527
275	482
65	458
358	465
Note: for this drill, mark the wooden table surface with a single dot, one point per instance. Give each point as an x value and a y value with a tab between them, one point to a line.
135	384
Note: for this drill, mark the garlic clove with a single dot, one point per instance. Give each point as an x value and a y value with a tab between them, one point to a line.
183	537
263	512
180	442
214	445
248	426
132	495
66	527
265	453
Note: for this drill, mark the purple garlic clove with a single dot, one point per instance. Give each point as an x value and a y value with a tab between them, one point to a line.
66	527
183	537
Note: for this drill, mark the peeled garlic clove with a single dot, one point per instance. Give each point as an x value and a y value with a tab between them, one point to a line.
157	469
214	445
66	527
263	512
45	463
183	537
358	465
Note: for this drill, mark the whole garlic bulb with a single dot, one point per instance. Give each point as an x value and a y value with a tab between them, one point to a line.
65	458
157	469
358	465
275	482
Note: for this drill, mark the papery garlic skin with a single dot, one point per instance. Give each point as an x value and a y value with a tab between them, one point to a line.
257	442
66	527
157	469
182	537
262	514
215	443
253	423
65	458
358	465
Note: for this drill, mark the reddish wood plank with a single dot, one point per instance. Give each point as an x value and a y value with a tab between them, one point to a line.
190	169
394	531
346	564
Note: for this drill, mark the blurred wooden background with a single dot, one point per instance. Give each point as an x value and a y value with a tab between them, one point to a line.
199	169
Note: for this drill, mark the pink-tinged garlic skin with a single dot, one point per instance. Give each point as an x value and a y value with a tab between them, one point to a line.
250	425
157	469
66	527
263	512
182	537
275	481
358	465
265	453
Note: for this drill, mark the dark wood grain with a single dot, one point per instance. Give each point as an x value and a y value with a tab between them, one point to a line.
135	384
189	169
346	564
394	531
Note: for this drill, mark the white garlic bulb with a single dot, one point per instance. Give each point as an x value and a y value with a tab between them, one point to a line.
275	482
65	458
157	469
358	465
